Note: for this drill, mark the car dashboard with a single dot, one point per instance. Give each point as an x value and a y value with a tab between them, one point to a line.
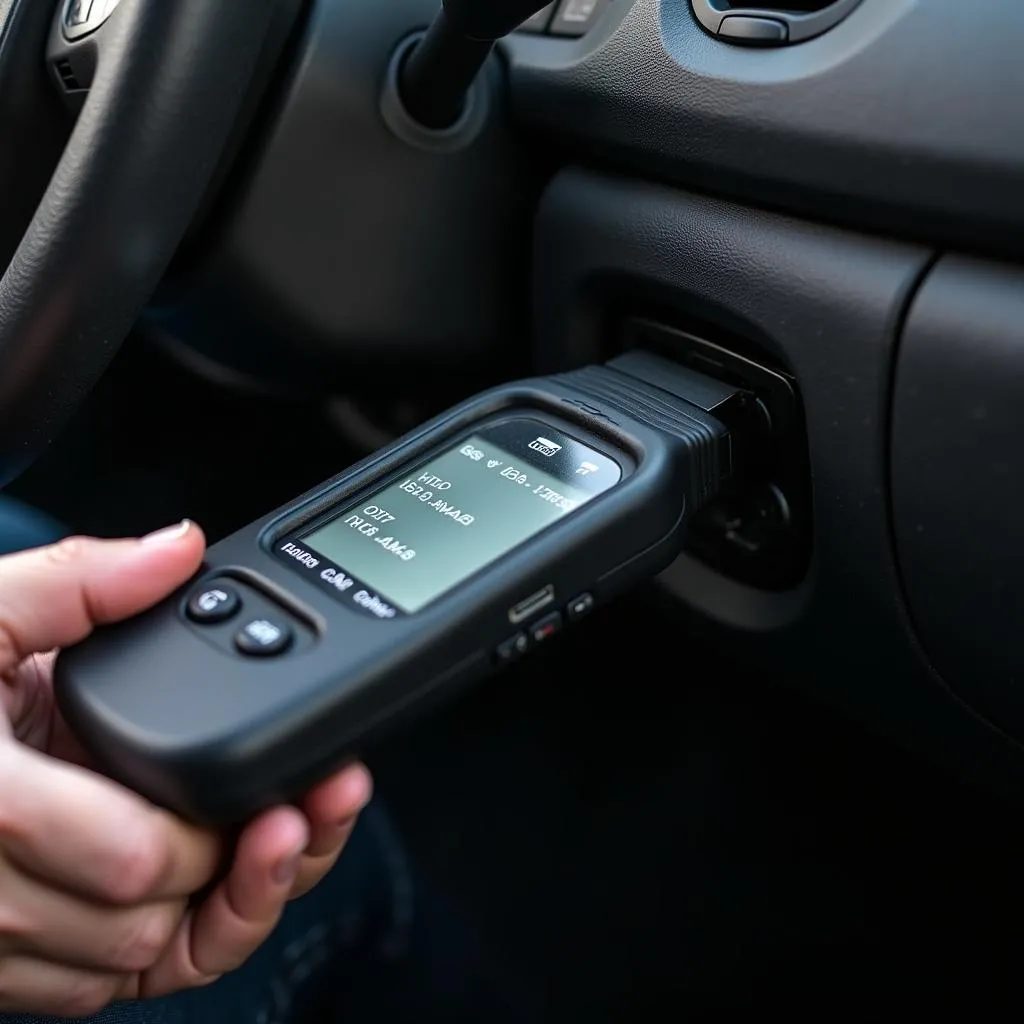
821	202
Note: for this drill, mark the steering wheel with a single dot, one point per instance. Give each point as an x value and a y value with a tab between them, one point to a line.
171	78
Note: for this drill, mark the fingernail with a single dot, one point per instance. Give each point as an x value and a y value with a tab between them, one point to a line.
366	782
169	534
287	869
365	802
351	817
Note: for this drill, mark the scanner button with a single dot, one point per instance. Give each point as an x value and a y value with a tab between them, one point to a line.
581	606
263	638
513	648
547	627
213	604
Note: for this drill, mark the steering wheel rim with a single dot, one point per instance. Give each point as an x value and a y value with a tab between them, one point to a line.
171	79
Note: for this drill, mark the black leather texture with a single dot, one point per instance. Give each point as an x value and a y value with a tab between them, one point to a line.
34	125
171	79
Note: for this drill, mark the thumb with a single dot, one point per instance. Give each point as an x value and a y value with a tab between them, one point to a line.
55	596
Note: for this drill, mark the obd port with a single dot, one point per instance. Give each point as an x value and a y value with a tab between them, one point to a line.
529	606
758	531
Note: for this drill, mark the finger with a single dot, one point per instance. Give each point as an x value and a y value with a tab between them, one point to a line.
81	831
332	809
233	922
54	596
52	925
27	695
313	870
35	986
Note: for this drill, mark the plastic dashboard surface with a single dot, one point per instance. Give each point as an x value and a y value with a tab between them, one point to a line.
829	303
901	119
904	109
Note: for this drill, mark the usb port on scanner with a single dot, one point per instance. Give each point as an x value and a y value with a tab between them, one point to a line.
532	604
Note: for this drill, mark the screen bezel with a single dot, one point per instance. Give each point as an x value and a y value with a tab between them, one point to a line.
302	525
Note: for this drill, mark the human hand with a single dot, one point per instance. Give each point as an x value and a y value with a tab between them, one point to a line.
95	882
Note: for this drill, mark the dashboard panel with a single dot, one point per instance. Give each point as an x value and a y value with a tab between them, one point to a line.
905	116
829	305
958	479
812	208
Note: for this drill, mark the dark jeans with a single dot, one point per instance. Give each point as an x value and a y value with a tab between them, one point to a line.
368	944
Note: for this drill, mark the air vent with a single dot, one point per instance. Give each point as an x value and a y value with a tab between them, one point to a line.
67	76
790	6
763	23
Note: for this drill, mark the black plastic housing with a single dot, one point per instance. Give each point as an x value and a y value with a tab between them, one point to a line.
217	737
957	480
796	20
436	78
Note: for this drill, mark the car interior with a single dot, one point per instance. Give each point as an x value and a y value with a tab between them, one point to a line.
250	242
